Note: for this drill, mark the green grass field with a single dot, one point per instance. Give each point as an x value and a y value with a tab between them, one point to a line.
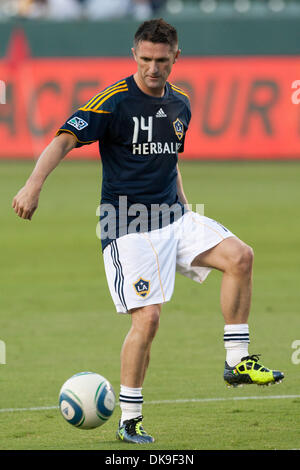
57	317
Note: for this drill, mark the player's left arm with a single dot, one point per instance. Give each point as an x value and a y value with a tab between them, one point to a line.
180	191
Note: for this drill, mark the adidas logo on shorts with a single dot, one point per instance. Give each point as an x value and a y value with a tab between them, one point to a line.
160	113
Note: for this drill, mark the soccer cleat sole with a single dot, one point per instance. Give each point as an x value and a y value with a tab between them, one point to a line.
228	385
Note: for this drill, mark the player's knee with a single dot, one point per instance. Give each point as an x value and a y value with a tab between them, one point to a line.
147	321
151	324
242	260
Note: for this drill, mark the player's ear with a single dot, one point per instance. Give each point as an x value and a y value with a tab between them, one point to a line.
178	52
133	53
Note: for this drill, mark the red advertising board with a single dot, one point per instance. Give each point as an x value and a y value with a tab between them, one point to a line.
242	107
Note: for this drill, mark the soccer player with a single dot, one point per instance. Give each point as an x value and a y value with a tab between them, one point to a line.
140	123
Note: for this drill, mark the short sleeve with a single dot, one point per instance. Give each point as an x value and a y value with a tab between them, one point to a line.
90	122
87	126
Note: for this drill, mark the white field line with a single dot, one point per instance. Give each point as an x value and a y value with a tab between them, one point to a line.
166	402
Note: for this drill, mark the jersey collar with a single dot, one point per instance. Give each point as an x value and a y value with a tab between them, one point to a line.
137	91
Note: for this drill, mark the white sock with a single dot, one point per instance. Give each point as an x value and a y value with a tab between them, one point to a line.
131	401
236	340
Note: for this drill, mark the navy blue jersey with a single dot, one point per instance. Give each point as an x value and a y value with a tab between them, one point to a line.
139	139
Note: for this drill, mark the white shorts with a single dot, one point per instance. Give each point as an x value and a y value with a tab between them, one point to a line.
140	267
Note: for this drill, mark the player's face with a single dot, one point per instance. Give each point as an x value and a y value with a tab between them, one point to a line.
154	64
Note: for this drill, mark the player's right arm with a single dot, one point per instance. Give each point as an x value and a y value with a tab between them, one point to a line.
86	126
26	200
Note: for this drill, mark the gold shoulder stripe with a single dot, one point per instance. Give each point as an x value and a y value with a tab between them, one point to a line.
93	110
95	105
108	96
102	93
107	90
179	90
92	100
177	87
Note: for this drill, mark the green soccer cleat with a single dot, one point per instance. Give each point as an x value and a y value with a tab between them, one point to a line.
249	371
132	431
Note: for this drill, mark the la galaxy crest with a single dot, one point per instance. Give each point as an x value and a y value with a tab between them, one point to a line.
179	128
142	287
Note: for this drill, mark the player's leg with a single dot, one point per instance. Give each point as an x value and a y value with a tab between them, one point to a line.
140	270
135	353
207	245
235	259
135	357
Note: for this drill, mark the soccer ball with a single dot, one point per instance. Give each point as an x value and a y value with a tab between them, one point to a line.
87	400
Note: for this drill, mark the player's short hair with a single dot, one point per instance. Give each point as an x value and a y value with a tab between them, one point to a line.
157	31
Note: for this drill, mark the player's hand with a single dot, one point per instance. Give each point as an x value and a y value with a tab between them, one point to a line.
26	201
